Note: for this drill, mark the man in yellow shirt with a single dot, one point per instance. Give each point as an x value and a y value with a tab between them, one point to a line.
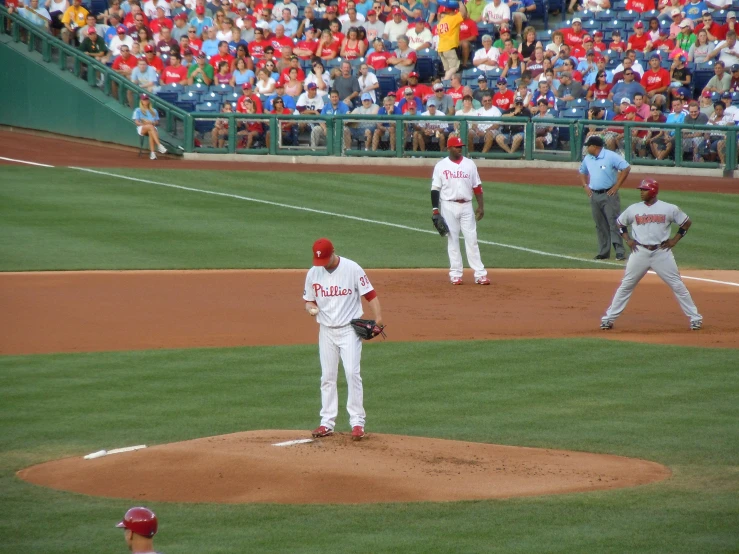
448	31
73	18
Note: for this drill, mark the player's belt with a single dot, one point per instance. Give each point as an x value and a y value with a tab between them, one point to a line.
460	201
601	191
651	247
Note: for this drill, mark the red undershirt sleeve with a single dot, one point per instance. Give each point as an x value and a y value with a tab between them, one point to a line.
371	295
477	189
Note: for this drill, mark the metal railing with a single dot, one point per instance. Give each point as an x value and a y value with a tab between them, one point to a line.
175	121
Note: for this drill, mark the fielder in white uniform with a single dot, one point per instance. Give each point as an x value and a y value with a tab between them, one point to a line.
651	248
454	182
333	293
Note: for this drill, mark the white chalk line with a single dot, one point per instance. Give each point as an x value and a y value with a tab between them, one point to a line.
362	219
24	162
376	222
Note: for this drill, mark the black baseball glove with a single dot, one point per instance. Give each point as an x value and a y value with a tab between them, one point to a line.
440	224
367	329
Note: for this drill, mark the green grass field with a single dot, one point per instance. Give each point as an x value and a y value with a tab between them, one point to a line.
673	405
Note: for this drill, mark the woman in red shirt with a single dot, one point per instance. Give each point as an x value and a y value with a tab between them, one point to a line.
600	89
352	48
253	129
328	48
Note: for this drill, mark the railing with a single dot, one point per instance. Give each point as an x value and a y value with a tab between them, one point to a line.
175	121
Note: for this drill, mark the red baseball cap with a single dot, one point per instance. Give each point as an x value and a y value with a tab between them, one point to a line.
148	48
638	25
91	30
372	12
331	9
413	74
246	86
182	16
586	37
505	30
456	142
397	11
120	29
630	109
322	252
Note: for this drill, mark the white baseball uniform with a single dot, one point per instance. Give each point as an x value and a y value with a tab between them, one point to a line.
457	183
338	295
650	227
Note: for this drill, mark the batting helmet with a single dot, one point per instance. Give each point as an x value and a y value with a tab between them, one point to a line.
141	521
651	185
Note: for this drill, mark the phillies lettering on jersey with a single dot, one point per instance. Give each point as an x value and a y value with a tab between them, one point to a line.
455	181
318	290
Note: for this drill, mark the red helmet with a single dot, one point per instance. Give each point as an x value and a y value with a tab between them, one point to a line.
141	521
651	185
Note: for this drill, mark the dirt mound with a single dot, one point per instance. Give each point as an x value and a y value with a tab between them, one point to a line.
248	467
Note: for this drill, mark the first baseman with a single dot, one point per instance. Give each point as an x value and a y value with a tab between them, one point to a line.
454	182
651	248
333	293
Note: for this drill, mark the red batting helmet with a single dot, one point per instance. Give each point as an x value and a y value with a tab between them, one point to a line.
651	185
141	521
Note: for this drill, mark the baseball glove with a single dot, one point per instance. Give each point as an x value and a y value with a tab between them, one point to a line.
440	224
367	329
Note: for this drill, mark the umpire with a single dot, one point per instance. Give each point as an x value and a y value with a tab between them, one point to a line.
602	173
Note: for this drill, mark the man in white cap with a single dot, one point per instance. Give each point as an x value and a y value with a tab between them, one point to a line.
361	131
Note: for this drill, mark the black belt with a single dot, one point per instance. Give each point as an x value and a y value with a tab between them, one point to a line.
651	247
460	201
601	191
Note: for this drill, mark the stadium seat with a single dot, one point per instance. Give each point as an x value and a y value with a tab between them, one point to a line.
486	29
189	97
208	107
168	95
473	73
186	106
591	25
614	25
573	113
214	97
605	15
426	68
221	89
607	104
544	36
198	87
389	80
579	103
646	16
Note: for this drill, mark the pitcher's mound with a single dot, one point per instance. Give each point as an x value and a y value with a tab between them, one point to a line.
247	467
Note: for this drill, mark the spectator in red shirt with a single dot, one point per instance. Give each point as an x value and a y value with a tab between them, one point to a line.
468	33
279	40
250	95
638	41
378	59
175	72
196	43
222	56
457	90
573	35
656	81
152	59
130	19
617	45
294	63
503	99
598	44
713	29
306	49
161	21
257	46
125	63
640	6
328	47
664	44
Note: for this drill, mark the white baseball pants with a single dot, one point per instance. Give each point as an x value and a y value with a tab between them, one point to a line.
343	342
461	217
662	261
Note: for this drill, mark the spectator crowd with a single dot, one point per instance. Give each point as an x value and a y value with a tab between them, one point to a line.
322	57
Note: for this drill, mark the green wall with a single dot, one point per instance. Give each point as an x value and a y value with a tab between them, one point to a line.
37	95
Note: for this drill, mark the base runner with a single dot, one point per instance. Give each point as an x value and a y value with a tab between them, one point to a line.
454	182
651	248
333	293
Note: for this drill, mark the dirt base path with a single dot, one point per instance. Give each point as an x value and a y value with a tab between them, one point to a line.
63	153
247	467
132	310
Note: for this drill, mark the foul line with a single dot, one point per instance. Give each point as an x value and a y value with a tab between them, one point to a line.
362	219
24	162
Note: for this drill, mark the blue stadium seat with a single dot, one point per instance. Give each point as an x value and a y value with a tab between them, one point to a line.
619	6
614	25
98	6
607	104
187	106
486	29
646	16
198	87
473	73
168	96
426	68
208	107
561	105
204	126
221	89
605	15
189	97
573	113
211	97
544	36
389	80
579	103
591	25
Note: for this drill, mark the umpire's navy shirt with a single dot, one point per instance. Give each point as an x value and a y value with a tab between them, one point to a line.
603	169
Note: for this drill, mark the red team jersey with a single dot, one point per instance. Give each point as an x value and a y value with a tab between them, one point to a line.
156	63
640	6
468	29
638	43
652	80
330	50
240	103
456	93
279	43
311	45
215	60
378	60
256	48
572	38
503	101
128	64
172	75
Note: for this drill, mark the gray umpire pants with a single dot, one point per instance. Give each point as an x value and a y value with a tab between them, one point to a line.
606	210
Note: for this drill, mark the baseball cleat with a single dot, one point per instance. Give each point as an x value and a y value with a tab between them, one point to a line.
482	281
322	431
456	280
357	433
606	325
696	325
620	258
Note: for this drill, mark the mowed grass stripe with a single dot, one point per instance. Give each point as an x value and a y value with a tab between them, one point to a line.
678	408
134	225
